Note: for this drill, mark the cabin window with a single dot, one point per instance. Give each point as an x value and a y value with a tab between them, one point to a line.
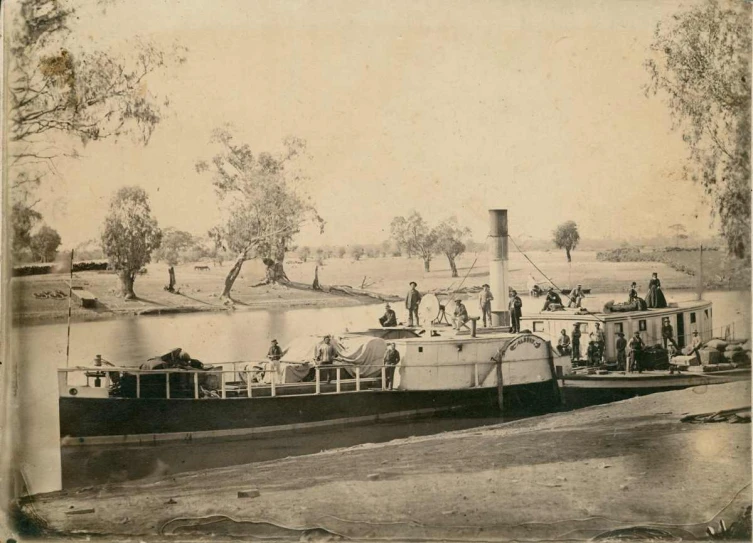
692	318
538	326
420	349
618	327
642	325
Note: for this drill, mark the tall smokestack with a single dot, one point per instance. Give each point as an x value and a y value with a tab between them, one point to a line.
498	266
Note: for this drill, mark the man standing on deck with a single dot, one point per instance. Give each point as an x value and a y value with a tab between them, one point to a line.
274	353
576	342
391	359
621	345
598	337
412	301
667	333
636	346
485	303
515	307
325	355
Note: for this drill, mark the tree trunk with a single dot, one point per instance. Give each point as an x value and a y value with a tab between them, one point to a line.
126	283
275	270
232	275
453	267
427	264
171	274
567	251
316	285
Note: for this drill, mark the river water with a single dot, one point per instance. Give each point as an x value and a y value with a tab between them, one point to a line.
222	337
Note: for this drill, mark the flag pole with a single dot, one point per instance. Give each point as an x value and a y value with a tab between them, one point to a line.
70	295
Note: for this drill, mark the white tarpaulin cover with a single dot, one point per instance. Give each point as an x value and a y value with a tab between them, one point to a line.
364	351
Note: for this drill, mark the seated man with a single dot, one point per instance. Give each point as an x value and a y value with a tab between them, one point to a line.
576	297
389	318
460	316
552	301
563	344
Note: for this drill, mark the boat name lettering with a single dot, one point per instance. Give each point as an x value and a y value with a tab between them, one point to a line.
527	339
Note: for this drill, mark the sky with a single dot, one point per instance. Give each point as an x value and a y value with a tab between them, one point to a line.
449	108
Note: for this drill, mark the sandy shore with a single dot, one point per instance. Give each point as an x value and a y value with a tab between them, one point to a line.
565	476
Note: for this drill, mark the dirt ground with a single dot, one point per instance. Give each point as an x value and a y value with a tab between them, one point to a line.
199	290
565	476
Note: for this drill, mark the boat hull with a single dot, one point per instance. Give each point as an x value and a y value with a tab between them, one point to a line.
99	421
582	390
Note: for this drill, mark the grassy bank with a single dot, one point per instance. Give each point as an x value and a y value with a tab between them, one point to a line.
389	277
720	271
566	476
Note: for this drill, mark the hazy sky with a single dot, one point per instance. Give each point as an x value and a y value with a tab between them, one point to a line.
449	108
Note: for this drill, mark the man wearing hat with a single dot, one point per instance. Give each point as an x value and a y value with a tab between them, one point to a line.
391	359
576	296
412	300
325	355
389	318
460	316
576	341
274	353
621	345
667	333
485	303
515	305
636	346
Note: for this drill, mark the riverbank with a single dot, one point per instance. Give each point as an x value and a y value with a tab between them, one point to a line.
565	476
43	298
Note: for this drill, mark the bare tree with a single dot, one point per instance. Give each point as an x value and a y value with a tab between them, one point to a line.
263	202
700	62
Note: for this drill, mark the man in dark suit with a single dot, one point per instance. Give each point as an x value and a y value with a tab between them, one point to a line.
412	300
515	306
389	318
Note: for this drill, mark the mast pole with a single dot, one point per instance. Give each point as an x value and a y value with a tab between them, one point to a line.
70	295
700	273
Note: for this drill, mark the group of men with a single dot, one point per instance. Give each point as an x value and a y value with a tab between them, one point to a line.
554	301
628	351
460	313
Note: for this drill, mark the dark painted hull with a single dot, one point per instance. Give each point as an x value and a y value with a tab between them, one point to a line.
583	390
128	420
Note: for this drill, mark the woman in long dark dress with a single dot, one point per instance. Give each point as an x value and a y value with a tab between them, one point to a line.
655	297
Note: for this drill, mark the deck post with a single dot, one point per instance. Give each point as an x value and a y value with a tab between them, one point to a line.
500	387
358	379
475	375
167	385
223	392
555	383
248	383
384	378
138	385
318	381
195	386
272	383
337	380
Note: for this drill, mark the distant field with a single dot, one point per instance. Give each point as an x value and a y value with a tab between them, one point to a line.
199	290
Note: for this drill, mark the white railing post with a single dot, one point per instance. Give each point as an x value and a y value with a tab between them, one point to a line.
248	383
272	382
337	381
167	385
358	379
223	393
318	381
196	385
384	377
138	385
475	375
